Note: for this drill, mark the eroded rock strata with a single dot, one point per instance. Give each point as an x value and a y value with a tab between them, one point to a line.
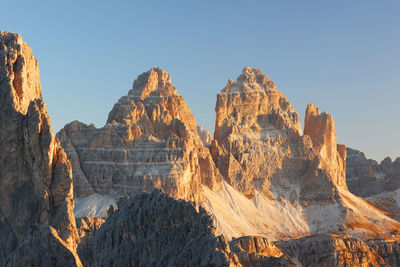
150	141
36	190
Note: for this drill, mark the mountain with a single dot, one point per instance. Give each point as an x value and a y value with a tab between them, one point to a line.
150	141
37	224
152	187
291	183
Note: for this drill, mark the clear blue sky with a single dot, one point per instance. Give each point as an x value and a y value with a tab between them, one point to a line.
343	56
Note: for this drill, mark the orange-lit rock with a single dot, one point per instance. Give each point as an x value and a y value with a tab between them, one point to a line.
293	183
150	141
36	190
321	129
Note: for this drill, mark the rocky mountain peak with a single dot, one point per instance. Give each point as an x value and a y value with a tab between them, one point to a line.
19	72
251	79
152	104
252	104
155	81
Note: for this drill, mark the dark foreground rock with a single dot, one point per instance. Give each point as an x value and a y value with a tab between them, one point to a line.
156	230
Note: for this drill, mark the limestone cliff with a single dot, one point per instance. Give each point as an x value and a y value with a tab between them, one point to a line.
150	141
36	191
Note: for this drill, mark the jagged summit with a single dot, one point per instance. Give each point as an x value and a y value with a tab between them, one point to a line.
155	81
152	100
253	100
19	72
250	80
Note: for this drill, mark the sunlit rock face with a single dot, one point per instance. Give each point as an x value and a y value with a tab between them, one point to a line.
251	118
293	183
321	129
150	141
36	191
379	183
259	145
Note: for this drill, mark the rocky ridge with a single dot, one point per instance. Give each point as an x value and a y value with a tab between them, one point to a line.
37	225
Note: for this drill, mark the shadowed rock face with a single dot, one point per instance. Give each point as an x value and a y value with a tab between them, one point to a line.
150	141
156	230
35	174
378	183
333	250
366	177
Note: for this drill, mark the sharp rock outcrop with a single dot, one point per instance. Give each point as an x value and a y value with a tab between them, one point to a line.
321	129
35	175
